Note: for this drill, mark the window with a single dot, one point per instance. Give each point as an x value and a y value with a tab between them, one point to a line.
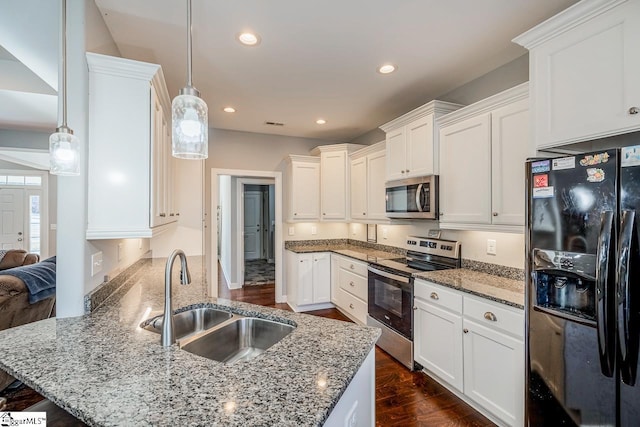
35	181
34	224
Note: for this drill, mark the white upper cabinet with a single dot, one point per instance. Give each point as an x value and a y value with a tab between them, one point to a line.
584	68
129	149
483	149
367	183
303	188
412	141
334	180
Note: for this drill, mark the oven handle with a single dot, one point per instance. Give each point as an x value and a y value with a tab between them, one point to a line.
391	276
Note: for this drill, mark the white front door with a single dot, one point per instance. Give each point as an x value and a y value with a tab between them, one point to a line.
252	224
11	218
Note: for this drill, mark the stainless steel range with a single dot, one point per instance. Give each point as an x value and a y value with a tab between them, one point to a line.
390	296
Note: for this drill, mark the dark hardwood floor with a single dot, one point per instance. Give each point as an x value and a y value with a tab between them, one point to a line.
403	398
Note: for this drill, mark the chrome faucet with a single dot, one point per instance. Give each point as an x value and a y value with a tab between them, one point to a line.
167	336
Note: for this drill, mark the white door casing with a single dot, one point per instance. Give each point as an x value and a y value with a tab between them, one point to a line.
252	224
12	218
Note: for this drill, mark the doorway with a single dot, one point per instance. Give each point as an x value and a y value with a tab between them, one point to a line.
242	236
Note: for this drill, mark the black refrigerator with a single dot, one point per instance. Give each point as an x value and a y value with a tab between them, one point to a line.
583	289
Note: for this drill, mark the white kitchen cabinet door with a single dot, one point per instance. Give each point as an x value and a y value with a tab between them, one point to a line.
333	185
419	148
305	279
359	188
396	154
376	192
465	171
305	191
321	277
510	138
585	80
438	342
494	372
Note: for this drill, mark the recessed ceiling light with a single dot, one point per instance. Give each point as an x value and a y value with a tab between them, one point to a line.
387	68
321	121
248	39
229	110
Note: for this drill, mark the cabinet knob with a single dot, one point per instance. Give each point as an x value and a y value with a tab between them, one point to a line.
177	213
415	308
441	213
634	110
323	213
351	266
301	261
351	284
351	306
495	214
172	214
364	213
163	215
295	213
408	171
434	296
490	316
402	171
465	330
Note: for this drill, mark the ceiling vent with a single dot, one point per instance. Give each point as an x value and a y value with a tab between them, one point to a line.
274	124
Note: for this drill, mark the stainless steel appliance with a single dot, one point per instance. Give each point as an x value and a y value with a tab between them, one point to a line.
583	294
390	292
413	198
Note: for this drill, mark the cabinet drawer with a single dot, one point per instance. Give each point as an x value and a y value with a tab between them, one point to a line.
438	295
352	305
354	266
353	283
494	316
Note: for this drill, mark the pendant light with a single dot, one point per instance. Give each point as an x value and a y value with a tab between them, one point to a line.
64	146
190	132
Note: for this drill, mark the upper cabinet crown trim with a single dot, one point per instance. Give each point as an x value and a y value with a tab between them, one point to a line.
508	96
437	107
373	148
299	158
336	147
567	19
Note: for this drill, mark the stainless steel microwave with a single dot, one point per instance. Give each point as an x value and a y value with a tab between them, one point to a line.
413	198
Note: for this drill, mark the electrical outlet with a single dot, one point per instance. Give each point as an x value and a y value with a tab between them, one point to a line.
314	230
491	246
385	233
292	231
120	251
139	243
96	263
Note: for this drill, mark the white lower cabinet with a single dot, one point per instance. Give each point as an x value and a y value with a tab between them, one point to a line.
349	287
473	346
308	280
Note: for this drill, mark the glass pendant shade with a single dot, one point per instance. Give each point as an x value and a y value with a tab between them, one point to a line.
64	153
190	134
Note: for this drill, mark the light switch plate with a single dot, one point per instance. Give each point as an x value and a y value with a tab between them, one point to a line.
120	250
96	263
292	231
491	246
314	230
385	232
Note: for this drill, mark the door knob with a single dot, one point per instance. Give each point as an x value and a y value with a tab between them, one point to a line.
634	110
465	330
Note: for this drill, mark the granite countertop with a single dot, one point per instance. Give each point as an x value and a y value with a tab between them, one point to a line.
353	251
496	288
105	370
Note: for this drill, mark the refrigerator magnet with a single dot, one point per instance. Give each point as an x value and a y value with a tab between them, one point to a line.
564	163
541	180
595	175
540	166
543	193
594	159
630	156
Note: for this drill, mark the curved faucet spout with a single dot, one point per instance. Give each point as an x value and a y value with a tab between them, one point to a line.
167	335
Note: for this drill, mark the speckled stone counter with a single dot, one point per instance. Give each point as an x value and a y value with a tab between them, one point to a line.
344	247
105	370
496	288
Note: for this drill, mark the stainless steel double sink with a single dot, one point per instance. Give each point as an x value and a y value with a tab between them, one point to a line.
221	335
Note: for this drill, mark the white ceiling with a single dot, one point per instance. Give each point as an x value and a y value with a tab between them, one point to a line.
316	59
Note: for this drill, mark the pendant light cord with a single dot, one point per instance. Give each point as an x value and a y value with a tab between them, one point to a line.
189	59
63	60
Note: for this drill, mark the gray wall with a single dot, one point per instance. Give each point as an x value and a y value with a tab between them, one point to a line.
24	139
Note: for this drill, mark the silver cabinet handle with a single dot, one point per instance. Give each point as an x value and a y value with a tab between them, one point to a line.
415	308
465	330
495	214
490	316
351	306
19	239
434	296
634	110
351	284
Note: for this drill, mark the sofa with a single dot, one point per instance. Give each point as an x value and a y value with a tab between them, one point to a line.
15	309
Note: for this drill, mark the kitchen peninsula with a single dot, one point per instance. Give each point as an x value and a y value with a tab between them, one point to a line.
106	370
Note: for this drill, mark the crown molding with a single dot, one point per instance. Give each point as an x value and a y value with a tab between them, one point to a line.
335	147
438	108
369	149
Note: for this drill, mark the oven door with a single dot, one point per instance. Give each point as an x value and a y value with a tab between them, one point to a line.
391	300
412	198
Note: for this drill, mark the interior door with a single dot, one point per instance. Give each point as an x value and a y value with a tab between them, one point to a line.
11	218
252	225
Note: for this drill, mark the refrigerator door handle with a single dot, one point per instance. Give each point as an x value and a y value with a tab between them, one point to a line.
605	278
623	300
